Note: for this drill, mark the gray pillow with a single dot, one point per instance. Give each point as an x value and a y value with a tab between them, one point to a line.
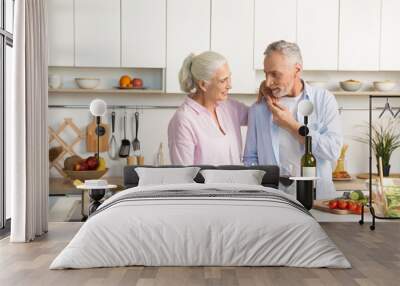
166	176
248	177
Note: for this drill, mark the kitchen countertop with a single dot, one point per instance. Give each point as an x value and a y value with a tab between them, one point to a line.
62	186
354	184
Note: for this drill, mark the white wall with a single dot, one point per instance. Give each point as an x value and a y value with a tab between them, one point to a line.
153	123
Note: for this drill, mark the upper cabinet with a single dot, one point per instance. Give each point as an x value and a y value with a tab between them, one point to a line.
317	33
359	35
61	32
390	41
143	33
188	31
344	35
232	36
273	21
97	33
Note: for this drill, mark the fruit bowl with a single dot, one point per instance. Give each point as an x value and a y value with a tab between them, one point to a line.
350	85
85	175
87	83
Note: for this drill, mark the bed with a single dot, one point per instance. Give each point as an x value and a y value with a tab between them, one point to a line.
201	224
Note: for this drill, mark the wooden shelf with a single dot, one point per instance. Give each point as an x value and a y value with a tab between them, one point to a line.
377	93
159	91
104	91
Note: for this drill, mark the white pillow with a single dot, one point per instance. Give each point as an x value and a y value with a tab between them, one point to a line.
248	177
166	176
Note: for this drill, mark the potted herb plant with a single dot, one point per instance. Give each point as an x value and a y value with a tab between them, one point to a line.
385	139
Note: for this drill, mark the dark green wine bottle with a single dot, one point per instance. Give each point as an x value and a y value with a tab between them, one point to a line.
308	162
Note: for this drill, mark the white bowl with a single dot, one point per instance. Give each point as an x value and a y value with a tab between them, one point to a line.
321	84
384	85
351	85
87	82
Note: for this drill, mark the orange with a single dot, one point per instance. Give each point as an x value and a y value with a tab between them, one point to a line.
124	81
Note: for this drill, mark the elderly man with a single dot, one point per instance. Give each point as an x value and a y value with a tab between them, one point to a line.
274	121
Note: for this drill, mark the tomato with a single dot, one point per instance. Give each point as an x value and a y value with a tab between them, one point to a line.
358	209
342	204
352	206
333	204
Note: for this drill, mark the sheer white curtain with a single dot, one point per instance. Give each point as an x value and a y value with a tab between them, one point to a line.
27	138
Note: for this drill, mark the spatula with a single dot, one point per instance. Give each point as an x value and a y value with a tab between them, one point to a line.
125	143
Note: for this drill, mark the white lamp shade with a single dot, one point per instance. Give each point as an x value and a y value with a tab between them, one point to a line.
98	107
306	107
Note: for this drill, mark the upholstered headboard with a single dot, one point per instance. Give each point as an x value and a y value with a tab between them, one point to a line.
270	179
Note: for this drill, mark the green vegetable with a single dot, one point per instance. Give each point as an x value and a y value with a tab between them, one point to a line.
356	195
392	194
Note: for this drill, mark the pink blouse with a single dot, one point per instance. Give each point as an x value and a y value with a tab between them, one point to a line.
194	138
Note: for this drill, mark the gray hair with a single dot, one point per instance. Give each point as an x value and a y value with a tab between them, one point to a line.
290	50
200	67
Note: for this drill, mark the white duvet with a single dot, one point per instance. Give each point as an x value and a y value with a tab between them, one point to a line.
200	231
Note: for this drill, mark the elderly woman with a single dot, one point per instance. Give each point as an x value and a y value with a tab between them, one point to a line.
206	127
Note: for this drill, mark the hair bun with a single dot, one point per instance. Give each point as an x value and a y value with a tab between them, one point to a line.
186	80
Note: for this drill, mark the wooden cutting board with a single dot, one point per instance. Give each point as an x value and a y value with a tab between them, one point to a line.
323	205
374	176
91	137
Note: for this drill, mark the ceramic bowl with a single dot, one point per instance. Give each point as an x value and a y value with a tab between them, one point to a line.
386	85
350	85
87	83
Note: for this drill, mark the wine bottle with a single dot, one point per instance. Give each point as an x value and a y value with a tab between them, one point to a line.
308	161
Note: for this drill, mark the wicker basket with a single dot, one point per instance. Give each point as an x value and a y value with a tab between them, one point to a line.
85	175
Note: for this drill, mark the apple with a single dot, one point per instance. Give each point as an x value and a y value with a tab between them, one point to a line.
82	166
92	163
137	82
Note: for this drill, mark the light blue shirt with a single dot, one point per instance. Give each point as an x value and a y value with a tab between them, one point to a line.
262	142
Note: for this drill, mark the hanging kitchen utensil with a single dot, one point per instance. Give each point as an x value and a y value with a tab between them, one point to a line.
387	107
125	143
113	148
136	142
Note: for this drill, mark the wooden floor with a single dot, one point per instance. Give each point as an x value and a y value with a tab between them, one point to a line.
375	257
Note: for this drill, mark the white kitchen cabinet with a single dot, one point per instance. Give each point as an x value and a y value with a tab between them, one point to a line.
390	41
97	33
318	33
188	31
143	33
273	21
359	35
232	35
61	32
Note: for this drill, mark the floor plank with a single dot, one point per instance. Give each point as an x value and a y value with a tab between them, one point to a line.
374	255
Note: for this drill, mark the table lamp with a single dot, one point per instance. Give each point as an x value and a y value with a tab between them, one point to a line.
305	183
305	108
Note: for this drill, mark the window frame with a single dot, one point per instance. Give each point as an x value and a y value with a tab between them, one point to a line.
6	39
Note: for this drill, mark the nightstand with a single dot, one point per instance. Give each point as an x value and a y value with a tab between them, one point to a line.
91	198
